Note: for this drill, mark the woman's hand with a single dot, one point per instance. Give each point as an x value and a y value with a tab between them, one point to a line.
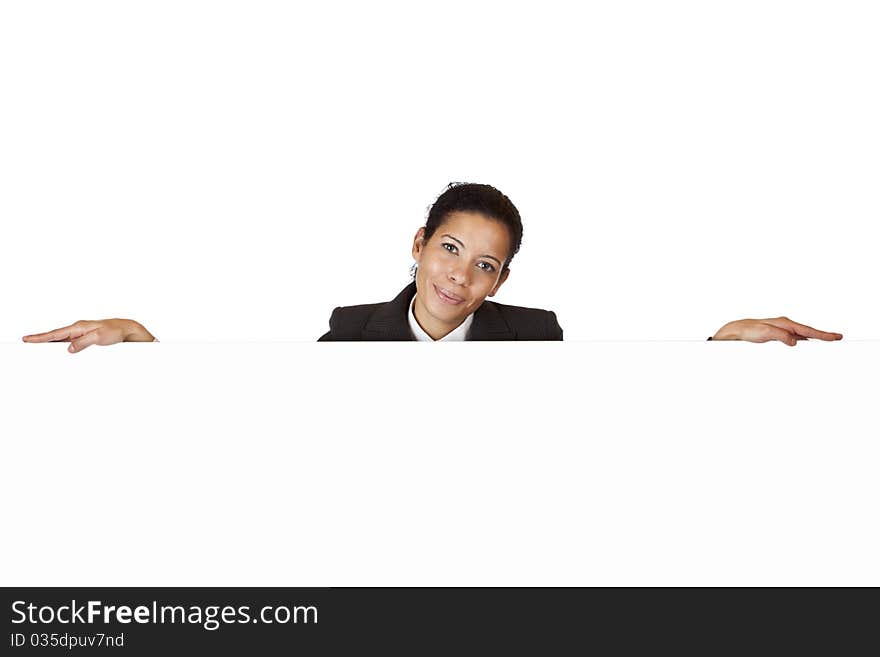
85	333
774	328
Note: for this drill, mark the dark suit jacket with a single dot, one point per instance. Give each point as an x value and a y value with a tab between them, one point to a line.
388	322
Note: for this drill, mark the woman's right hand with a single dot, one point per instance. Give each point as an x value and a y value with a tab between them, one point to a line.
85	333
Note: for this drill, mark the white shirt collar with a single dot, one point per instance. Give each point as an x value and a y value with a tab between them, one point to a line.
459	334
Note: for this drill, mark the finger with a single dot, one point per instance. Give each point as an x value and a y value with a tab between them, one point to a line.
63	334
802	329
49	336
81	343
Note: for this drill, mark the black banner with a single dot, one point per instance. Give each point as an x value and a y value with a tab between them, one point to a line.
411	621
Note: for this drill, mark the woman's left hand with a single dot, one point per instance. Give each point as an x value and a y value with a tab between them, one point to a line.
774	328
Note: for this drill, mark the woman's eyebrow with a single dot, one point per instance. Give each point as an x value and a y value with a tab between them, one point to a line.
453	238
485	255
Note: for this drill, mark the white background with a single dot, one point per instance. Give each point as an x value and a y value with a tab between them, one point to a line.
231	171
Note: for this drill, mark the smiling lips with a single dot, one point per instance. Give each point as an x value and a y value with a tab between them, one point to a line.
448	297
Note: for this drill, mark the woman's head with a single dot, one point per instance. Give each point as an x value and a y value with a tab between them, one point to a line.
463	253
480	199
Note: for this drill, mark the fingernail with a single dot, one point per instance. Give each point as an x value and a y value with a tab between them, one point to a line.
70	349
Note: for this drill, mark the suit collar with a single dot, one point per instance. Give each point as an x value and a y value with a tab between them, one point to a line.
389	322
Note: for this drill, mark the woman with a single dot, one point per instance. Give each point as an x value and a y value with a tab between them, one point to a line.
462	256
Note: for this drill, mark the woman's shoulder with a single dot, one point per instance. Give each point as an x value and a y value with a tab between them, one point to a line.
520	311
347	322
380	321
528	323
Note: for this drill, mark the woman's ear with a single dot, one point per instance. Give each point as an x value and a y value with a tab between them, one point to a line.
501	280
418	244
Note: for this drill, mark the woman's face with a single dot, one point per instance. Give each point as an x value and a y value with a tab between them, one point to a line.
457	269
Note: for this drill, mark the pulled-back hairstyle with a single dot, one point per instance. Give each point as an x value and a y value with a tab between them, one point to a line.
473	197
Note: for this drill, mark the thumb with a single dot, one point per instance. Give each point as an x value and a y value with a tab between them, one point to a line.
775	333
83	341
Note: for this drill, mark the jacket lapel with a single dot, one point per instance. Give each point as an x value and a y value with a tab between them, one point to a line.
389	321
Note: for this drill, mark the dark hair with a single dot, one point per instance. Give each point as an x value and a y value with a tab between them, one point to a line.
485	199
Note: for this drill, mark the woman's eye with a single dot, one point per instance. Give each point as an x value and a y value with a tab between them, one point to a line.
485	266
450	247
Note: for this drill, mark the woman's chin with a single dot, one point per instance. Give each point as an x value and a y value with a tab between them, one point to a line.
445	315
444	312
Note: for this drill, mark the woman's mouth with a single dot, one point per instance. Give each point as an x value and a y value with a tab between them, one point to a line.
447	297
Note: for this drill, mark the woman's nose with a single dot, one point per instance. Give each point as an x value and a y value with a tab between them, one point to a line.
458	275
